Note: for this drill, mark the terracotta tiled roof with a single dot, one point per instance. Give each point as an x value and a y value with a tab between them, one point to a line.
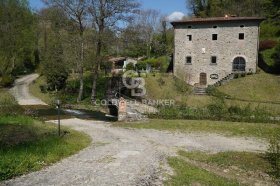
216	19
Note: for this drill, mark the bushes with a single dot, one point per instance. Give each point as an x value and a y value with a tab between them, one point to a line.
130	66
7	81
215	111
8	104
267	44
160	63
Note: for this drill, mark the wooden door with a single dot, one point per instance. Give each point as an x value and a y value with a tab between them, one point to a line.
203	79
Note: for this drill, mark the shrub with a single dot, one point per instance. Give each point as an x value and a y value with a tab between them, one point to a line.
141	65
7	81
267	44
130	66
8	104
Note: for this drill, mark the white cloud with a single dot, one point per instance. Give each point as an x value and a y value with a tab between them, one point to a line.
175	16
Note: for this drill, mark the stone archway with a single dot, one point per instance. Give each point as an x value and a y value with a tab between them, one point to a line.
239	64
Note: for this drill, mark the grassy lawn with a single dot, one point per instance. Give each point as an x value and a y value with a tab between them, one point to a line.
221	127
187	174
258	87
202	168
246	161
165	86
27	145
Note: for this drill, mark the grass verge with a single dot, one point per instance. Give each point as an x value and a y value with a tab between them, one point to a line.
246	161
247	167
27	145
221	127
187	174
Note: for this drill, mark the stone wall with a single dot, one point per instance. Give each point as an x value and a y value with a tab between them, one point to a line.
226	48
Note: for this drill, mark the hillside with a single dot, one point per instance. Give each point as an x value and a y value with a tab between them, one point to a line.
257	91
261	87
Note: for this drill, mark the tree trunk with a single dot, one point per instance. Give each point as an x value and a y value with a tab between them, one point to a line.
81	71
101	28
96	69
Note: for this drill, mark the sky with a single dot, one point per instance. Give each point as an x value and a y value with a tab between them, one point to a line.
166	7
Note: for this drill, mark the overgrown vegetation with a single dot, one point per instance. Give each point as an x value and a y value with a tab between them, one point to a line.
27	145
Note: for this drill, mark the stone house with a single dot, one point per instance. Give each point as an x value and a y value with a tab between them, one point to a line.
210	49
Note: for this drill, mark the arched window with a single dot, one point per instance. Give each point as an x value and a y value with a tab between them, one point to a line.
239	64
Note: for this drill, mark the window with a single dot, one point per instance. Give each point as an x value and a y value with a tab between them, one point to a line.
241	36
214	60
239	64
214	37
215	26
188	60
189	37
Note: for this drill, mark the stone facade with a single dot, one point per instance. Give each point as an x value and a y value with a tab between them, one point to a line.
194	39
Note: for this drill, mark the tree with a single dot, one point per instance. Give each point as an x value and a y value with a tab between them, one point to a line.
76	11
217	8
17	36
106	14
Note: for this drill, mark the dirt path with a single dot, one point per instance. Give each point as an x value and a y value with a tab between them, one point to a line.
21	91
121	156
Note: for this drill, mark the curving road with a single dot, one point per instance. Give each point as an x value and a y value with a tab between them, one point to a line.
21	91
120	156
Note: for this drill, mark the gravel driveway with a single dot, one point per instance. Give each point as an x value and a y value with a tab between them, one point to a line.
21	91
121	156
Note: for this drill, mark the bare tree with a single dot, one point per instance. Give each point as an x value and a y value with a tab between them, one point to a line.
107	14
77	11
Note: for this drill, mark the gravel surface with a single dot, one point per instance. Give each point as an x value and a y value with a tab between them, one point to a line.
120	156
21	91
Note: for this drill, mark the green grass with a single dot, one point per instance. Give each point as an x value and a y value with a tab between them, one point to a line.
259	87
260	130
27	145
8	104
246	161
187	174
165	86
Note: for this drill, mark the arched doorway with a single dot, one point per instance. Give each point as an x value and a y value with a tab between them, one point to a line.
239	64
203	79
